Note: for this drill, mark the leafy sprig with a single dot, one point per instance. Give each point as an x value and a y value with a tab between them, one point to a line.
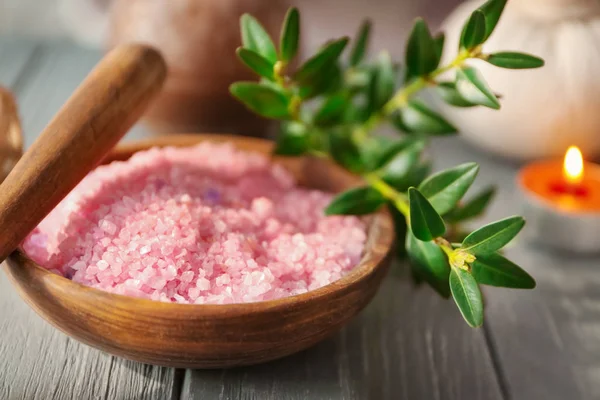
330	107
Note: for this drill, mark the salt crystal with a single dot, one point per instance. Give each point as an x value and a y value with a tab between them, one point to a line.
193	293
102	265
170	272
157	282
145	250
108	227
186	199
223	280
203	284
220	226
187	276
116	268
78	265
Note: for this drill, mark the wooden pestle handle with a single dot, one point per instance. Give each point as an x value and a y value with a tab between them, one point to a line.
104	107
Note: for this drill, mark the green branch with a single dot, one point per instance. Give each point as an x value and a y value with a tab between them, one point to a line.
353	99
402	96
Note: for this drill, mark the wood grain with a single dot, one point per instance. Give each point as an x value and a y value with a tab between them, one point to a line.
211	335
95	118
36	360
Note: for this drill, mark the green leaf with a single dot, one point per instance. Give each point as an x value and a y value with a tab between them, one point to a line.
361	43
421	51
265	100
358	201
418	173
321	61
417	117
382	83
467	296
329	80
473	208
473	88
398	123
439	41
448	93
344	151
293	139
393	150
425	222
444	189
403	160
290	35
256	38
373	148
400	228
407	169
332	110
356	113
414	175
492	10
255	62
495	270
473	33
430	262
514	60
493	237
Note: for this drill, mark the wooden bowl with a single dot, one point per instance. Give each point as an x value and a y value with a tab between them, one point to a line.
210	336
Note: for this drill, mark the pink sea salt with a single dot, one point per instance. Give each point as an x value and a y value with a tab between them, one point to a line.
205	224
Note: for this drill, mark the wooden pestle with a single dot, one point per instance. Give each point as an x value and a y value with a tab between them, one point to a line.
104	107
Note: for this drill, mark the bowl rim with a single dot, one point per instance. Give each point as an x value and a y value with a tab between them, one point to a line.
378	247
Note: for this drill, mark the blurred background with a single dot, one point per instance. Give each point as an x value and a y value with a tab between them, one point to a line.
86	20
543	111
198	39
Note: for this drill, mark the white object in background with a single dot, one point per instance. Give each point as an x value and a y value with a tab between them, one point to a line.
543	110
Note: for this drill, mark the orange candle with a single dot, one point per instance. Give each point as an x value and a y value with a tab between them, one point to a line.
571	185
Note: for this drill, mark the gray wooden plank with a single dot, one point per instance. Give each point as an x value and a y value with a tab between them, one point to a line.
37	361
546	341
407	344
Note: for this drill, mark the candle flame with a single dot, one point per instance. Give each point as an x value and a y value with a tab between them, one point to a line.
573	165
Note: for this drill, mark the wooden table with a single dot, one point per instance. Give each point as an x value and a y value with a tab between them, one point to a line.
408	344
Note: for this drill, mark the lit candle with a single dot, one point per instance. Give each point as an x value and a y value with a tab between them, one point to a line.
562	202
573	170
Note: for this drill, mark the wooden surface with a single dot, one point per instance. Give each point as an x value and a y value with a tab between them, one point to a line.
408	344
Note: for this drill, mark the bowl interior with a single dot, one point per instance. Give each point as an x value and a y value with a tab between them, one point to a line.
309	172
